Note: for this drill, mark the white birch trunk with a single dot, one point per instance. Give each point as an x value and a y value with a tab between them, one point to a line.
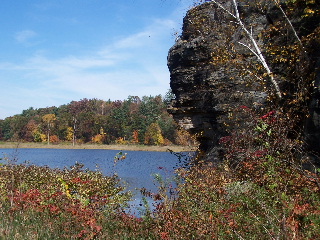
255	49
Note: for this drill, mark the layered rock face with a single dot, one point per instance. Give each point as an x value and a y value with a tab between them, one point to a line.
207	66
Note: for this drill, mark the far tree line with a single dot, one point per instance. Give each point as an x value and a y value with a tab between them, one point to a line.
131	121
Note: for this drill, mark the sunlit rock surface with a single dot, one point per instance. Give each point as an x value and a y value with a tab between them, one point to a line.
207	90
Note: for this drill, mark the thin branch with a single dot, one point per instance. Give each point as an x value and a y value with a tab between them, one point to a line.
256	51
239	236
251	50
266	230
288	20
259	78
224	9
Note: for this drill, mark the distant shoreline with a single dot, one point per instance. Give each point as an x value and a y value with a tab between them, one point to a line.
119	147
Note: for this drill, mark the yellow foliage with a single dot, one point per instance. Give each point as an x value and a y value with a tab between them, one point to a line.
309	11
153	135
38	136
121	140
69	134
43	137
184	138
49	118
98	138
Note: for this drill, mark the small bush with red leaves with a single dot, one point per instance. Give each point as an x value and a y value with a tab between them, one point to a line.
44	203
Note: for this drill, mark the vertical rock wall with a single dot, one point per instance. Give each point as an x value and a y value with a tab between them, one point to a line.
208	87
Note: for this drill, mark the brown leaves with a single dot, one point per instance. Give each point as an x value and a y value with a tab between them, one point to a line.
57	203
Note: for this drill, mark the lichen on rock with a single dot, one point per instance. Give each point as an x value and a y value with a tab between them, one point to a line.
211	74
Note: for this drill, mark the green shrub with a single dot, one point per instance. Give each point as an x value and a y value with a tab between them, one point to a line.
44	203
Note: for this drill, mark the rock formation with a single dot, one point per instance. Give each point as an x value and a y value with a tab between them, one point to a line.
212	74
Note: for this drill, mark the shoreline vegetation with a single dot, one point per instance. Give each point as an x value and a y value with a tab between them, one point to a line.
121	147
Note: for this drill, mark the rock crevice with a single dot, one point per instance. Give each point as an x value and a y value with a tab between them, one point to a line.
212	74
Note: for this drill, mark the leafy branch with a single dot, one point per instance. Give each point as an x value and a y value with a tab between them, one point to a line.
277	2
255	49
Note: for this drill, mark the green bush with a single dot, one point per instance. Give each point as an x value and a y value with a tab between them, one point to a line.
44	203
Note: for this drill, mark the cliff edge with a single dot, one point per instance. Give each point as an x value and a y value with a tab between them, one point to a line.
213	72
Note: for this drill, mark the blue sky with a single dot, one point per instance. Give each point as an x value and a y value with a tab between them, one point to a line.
56	51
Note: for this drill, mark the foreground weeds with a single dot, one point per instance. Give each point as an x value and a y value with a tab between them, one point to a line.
44	203
261	191
215	203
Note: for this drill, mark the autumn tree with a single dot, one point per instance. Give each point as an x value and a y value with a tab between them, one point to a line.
17	124
79	118
69	134
153	135
83	120
251	44
135	137
278	52
6	130
30	127
49	120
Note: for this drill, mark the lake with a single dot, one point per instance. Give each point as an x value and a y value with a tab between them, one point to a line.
136	170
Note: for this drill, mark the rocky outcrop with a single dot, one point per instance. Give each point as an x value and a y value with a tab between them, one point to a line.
312	130
212	74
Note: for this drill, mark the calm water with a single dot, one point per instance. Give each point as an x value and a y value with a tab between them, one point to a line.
136	170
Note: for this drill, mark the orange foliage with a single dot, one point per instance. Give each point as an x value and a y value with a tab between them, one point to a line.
54	139
121	140
98	138
135	136
184	138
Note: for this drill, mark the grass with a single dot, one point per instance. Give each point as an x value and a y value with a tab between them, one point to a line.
122	147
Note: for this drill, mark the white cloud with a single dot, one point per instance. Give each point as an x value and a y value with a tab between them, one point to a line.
132	65
156	30
136	40
24	36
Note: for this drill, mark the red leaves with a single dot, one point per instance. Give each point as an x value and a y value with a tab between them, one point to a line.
92	223
260	153
54	209
30	199
268	115
226	139
79	180
244	107
293	224
164	236
301	209
249	165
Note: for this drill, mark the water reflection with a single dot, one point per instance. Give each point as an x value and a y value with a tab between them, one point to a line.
137	170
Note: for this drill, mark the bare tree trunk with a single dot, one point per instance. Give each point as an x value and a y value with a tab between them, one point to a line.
48	134
255	49
289	22
74	131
